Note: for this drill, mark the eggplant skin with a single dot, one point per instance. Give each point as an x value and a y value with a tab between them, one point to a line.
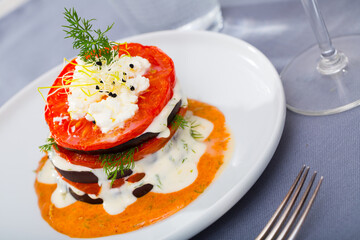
133	142
138	193
143	190
87	177
85	198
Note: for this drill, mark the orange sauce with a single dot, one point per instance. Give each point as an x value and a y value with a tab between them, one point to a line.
84	220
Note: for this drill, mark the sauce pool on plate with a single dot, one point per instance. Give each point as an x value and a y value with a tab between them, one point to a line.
83	220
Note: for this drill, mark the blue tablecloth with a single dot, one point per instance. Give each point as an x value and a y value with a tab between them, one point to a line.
30	37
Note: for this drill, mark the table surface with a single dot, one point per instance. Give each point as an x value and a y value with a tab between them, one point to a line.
278	28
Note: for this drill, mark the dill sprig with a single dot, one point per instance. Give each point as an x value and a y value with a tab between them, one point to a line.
159	181
94	45
116	163
180	121
193	132
50	142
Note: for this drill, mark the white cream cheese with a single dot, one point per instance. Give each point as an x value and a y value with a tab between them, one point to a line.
172	168
60	119
107	95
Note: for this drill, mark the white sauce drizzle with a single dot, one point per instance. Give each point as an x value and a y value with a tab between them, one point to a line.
61	197
172	168
159	123
47	174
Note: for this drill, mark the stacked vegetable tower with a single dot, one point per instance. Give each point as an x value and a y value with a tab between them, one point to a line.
126	148
111	106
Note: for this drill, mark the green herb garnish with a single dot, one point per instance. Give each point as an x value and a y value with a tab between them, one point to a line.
180	121
200	189
50	142
117	162
193	132
158	179
94	46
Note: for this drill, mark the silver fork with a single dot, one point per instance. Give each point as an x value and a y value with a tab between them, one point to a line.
270	232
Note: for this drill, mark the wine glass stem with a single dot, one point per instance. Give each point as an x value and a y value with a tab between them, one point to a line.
332	61
319	27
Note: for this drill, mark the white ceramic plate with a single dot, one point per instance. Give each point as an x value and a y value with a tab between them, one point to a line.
214	68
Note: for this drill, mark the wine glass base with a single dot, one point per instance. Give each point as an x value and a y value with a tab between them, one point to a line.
310	93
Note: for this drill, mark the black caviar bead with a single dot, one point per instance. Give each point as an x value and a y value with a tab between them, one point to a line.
123	80
132	88
97	87
113	82
124	73
114	95
99	63
101	81
93	122
131	65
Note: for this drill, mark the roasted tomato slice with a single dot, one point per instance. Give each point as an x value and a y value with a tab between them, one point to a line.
92	188
87	136
92	161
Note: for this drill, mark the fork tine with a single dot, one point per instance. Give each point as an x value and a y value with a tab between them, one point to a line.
277	212
306	211
292	219
286	212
